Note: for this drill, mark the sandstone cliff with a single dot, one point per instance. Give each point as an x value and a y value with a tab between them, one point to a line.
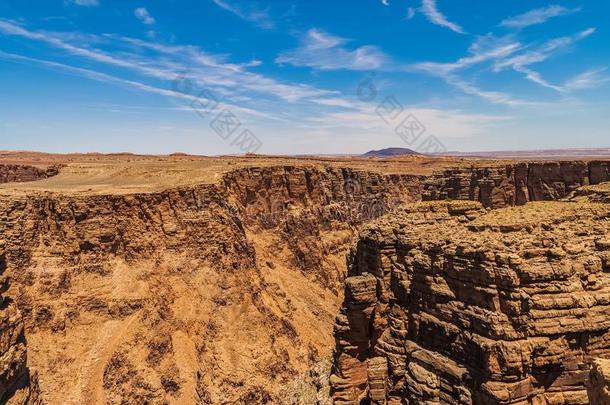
444	304
16	385
23	173
514	184
202	294
599	382
216	293
315	212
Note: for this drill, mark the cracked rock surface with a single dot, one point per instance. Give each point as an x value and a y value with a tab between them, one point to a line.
448	303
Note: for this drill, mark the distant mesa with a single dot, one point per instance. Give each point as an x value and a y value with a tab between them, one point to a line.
388	152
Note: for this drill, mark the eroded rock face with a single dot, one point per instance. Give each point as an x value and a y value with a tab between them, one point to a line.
186	295
21	173
101	280
599	382
85	230
515	184
208	293
597	193
16	386
466	307
300	205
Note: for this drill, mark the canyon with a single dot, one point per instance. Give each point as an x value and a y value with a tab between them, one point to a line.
135	279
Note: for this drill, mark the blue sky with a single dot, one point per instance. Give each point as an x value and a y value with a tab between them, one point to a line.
303	76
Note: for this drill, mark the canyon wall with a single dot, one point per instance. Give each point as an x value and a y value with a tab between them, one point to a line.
223	292
203	294
83	230
447	304
595	193
22	173
270	194
315	212
16	385
116	291
514	184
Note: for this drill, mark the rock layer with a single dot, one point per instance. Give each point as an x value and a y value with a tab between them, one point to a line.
22	173
459	307
300	205
599	382
217	293
16	387
203	294
514	184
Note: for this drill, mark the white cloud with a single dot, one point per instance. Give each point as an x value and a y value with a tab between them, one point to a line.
431	11
588	80
537	16
494	97
169	62
503	53
483	49
334	102
444	123
521	62
143	15
91	74
544	51
84	3
385	2
324	51
251	13
506	53
106	78
410	13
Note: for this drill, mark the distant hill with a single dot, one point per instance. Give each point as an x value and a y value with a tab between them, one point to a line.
388	152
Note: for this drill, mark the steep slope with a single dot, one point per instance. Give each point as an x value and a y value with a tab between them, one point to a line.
17	385
201	294
599	382
208	292
445	303
514	184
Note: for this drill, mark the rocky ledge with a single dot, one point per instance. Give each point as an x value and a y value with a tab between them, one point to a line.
447	303
22	173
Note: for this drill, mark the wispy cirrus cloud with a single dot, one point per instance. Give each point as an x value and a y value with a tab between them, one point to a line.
495	97
431	11
106	78
144	16
324	51
502	53
537	16
251	12
483	49
84	3
521	62
170	62
588	80
543	52
363	120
